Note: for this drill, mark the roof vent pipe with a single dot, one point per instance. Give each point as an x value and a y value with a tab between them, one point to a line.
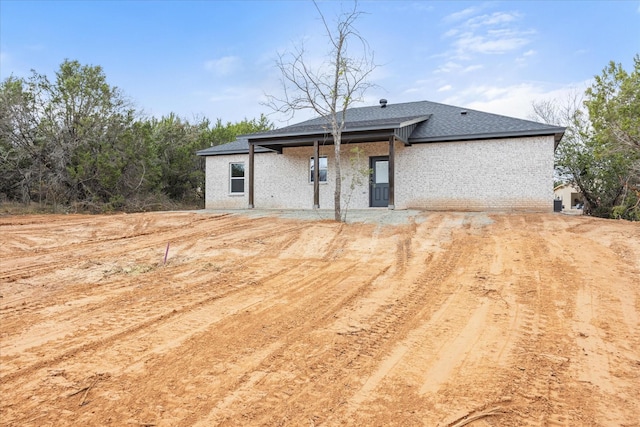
463	112
383	103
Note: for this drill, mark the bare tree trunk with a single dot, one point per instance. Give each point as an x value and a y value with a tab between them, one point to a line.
338	190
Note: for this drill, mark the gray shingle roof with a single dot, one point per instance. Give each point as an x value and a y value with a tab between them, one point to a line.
450	123
429	122
239	146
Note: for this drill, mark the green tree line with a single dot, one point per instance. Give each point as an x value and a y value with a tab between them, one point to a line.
76	142
600	152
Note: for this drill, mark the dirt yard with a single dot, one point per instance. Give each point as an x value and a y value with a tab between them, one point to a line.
452	319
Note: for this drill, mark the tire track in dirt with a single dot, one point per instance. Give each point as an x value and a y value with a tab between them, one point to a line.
606	366
304	309
155	238
431	356
165	320
110	346
96	317
87	291
101	341
541	361
273	321
358	352
456	350
287	322
90	310
278	370
76	252
523	320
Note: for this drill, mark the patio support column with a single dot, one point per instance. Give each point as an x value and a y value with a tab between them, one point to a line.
316	175
392	167
251	169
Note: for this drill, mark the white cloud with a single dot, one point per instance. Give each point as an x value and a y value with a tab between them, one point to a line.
463	14
452	32
223	66
515	100
473	34
522	60
448	67
445	88
472	68
495	18
492	42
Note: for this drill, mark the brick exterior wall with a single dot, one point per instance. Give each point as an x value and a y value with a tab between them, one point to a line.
499	174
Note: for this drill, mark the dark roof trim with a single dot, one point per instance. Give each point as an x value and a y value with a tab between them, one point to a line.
299	141
556	132
235	147
365	131
206	152
276	143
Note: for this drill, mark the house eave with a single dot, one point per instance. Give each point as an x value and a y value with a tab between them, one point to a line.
400	130
207	153
556	132
352	137
204	153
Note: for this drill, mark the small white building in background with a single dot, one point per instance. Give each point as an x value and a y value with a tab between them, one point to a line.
571	198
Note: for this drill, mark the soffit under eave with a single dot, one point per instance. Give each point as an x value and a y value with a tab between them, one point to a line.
325	139
402	134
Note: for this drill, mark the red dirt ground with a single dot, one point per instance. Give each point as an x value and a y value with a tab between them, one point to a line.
454	319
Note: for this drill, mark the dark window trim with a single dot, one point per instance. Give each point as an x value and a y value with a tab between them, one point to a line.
326	169
236	178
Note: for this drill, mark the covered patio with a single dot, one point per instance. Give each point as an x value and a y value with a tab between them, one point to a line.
366	131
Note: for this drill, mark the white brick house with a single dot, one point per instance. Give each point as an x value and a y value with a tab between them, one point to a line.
413	155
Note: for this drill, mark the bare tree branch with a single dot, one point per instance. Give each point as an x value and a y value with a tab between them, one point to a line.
330	88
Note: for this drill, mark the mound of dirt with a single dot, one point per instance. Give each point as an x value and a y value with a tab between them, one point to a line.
450	319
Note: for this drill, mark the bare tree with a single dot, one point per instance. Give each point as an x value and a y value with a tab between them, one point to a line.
331	87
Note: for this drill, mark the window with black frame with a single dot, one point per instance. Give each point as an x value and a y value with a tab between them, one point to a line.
322	169
236	178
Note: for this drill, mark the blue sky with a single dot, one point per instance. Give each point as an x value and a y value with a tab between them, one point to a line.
216	59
